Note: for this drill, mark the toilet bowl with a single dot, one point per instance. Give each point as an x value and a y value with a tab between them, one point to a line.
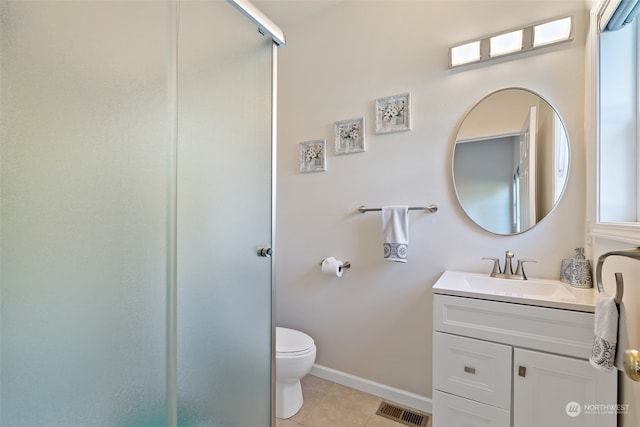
295	356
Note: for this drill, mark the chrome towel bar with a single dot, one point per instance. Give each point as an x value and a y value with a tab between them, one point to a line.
430	208
633	253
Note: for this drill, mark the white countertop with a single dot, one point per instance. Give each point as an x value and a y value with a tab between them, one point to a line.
538	292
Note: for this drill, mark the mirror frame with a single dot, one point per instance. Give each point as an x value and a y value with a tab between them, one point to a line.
453	151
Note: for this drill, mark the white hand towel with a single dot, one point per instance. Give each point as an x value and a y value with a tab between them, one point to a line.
395	232
605	331
623	337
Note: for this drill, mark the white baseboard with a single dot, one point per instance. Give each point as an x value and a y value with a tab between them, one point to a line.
386	392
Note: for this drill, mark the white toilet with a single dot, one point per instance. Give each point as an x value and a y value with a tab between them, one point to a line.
295	356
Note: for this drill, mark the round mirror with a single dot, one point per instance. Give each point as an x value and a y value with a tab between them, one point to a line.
510	161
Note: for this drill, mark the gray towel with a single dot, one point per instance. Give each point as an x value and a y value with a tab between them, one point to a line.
605	331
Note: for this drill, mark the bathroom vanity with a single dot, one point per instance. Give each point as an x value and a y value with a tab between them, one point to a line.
515	353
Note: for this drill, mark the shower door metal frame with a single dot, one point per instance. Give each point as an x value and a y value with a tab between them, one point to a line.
274	151
266	27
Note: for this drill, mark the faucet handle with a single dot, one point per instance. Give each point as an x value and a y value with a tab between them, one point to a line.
520	268
496	265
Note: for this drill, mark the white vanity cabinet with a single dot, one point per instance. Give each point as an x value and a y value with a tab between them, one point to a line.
503	364
551	390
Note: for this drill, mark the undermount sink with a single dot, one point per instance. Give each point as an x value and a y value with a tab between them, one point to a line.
540	292
519	288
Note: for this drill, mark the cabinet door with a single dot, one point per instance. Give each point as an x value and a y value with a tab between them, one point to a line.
558	391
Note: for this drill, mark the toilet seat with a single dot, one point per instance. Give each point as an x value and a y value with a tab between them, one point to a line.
290	342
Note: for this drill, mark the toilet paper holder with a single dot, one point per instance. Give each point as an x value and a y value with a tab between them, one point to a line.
345	264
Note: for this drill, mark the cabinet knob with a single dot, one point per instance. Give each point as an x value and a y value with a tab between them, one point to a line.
470	370
522	371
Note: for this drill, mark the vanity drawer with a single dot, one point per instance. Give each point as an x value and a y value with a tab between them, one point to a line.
547	329
474	369
454	411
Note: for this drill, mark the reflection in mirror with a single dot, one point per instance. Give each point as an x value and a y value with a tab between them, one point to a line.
510	161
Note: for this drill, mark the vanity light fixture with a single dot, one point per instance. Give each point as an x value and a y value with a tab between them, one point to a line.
535	36
506	43
466	53
552	32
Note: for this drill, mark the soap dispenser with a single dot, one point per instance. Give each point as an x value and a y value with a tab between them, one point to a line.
577	271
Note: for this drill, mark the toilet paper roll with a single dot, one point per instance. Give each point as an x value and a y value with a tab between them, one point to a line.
332	267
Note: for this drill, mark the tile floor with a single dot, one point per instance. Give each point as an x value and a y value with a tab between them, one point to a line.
327	404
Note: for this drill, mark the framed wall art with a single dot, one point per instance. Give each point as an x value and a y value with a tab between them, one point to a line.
393	113
349	136
313	156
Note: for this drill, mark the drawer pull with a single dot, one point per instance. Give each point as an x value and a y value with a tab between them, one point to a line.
522	371
470	370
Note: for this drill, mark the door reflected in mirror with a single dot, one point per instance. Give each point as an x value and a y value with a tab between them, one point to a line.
510	161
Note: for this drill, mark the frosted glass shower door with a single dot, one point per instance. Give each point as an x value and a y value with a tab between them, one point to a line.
224	215
88	117
85	135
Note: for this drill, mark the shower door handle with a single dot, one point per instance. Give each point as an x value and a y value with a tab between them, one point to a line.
265	252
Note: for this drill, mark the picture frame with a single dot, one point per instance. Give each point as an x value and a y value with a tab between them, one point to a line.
313	156
393	113
349	136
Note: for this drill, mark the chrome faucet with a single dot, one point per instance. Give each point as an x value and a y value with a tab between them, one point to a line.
508	267
507	272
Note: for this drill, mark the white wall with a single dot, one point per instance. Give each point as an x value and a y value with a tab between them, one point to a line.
376	321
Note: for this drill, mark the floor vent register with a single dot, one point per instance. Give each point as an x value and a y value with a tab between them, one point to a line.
402	415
